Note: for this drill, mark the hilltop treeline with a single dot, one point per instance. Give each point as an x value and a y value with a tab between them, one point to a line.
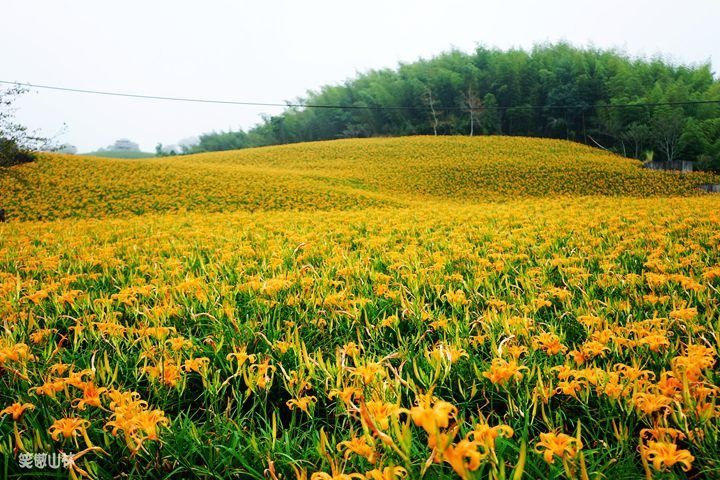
559	91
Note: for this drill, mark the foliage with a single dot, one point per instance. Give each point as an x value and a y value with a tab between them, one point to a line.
370	309
552	336
119	154
17	145
523	93
12	154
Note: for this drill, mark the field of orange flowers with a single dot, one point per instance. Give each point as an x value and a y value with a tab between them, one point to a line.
337	175
350	322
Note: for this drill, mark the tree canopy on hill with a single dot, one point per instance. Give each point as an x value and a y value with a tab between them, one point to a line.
514	93
110	153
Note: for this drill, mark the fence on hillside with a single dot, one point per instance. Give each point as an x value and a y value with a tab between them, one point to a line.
680	165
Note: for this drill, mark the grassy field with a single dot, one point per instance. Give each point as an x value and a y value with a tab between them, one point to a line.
388	308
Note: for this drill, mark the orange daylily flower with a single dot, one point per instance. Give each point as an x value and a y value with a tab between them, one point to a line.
432	414
501	371
559	444
68	427
387	473
664	455
196	364
17	409
359	446
91	396
464	457
302	403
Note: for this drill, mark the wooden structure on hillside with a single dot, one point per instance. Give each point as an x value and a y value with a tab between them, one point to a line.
710	187
678	165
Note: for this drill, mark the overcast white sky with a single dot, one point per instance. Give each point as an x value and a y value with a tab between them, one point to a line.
274	51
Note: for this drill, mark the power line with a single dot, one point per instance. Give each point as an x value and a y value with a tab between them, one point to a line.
202	100
351	107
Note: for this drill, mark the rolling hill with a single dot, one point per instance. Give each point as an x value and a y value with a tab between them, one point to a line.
330	175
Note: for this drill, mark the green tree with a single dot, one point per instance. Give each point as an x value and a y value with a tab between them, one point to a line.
17	144
472	104
554	90
637	135
667	126
490	117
